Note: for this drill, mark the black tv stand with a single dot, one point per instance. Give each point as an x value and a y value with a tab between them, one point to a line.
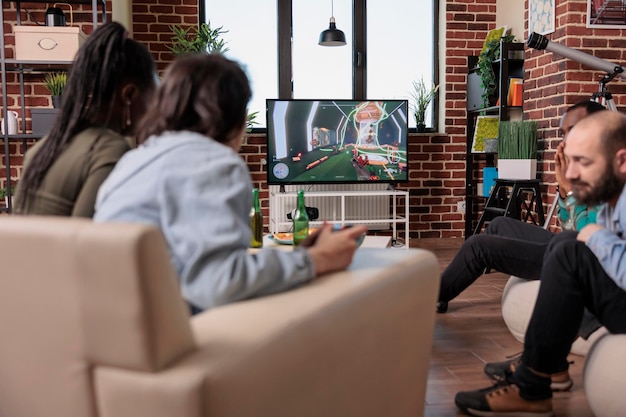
282	189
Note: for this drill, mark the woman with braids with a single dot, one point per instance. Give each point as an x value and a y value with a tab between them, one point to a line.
108	88
188	179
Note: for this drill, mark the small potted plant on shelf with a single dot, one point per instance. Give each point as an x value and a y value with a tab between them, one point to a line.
55	83
4	195
517	149
422	96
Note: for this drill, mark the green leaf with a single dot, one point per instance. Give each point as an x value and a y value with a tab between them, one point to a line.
422	95
201	39
55	82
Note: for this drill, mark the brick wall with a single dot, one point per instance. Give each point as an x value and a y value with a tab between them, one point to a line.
553	83
467	24
152	20
35	93
437	166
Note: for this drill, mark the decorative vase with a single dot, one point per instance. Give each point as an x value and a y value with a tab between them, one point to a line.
421	128
56	102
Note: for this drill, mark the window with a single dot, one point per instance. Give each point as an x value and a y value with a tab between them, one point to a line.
391	43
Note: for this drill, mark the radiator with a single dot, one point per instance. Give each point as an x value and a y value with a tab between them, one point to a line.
357	207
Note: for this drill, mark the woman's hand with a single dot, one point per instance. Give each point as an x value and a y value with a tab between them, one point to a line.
333	250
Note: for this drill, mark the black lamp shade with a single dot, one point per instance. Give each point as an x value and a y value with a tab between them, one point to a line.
332	36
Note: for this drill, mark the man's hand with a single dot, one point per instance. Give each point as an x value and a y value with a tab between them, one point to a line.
560	168
587	231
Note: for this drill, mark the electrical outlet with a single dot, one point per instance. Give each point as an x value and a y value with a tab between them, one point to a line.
460	207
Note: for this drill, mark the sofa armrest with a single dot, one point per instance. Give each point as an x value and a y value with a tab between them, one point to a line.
355	343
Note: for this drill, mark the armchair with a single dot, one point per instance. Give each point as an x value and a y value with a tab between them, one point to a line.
92	324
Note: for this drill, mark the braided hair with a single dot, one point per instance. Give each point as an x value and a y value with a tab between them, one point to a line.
106	60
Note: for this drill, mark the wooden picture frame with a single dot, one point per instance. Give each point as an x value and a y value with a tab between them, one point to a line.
605	14
486	128
541	16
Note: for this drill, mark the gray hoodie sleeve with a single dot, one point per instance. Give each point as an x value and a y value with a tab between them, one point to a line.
199	193
205	206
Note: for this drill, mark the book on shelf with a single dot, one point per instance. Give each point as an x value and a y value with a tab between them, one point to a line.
515	93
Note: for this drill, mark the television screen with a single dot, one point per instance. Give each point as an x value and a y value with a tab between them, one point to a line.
337	141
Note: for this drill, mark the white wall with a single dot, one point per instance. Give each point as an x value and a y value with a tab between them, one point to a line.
122	13
511	14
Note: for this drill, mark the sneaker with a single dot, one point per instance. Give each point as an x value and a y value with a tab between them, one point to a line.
502	400
561	381
442	306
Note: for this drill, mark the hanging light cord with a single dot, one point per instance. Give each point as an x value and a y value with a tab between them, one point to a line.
332	8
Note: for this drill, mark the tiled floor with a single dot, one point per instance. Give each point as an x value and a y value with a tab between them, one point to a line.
472	333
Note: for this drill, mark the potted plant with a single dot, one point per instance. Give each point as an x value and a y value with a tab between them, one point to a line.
201	39
517	149
4	195
55	83
422	96
488	55
251	121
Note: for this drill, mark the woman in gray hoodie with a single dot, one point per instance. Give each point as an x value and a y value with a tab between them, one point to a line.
188	179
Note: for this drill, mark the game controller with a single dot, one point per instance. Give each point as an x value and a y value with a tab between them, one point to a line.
337	227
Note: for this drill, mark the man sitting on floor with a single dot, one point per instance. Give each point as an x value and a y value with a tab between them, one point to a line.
583	269
515	247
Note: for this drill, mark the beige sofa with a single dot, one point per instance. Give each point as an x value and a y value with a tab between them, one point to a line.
92	324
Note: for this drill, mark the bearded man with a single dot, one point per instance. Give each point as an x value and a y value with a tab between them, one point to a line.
580	269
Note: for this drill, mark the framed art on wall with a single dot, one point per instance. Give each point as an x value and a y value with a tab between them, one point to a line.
541	18
607	14
485	134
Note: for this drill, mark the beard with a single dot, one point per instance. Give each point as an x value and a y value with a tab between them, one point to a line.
592	195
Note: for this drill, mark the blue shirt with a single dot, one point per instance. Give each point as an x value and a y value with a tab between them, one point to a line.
199	193
608	244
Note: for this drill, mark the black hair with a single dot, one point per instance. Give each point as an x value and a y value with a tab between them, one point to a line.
203	93
107	59
589	105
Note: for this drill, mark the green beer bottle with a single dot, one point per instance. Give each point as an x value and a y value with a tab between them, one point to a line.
256	221
300	221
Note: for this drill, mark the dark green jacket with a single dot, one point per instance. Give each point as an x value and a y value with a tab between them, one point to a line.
72	182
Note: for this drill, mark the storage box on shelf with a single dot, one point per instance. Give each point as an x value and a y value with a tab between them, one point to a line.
42	120
47	43
37	48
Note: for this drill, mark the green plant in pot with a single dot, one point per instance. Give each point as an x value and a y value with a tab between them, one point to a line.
4	195
422	95
55	83
517	149
486	59
201	39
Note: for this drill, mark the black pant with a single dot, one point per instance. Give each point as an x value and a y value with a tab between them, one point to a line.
571	279
508	245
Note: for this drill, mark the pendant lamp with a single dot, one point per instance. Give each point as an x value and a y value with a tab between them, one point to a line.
332	36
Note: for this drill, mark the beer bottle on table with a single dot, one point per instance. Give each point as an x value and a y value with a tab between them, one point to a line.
300	221
256	221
